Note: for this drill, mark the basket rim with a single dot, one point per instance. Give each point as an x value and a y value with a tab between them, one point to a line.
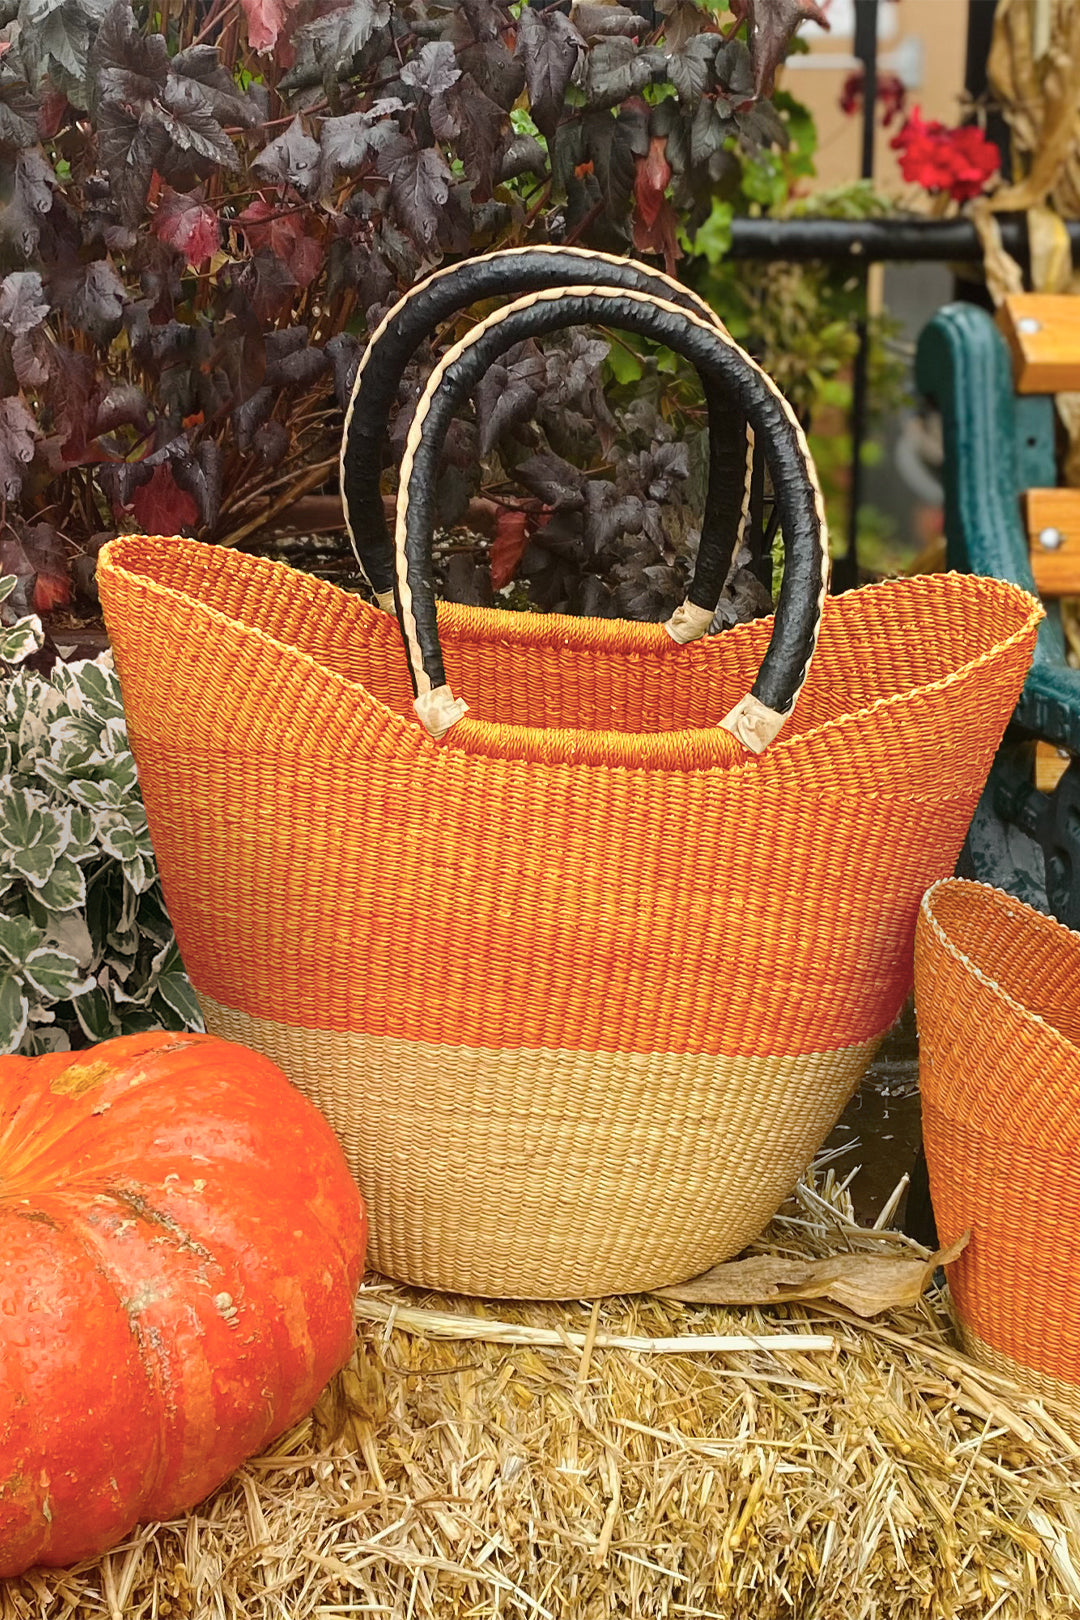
697	751
988	894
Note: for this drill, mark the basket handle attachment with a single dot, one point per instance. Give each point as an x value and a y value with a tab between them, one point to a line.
757	718
510	273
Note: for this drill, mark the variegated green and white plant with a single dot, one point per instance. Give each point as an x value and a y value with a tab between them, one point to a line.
86	948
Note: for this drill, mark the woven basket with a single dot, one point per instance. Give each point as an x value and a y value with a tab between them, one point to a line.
584	986
997	989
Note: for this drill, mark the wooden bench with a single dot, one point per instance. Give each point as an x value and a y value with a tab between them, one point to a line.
1005	515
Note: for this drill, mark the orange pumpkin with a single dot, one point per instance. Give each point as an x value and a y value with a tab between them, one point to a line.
180	1243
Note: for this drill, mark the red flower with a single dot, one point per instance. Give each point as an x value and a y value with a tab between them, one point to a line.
956	161
891	94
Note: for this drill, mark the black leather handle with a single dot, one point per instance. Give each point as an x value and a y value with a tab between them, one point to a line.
727	368
508	274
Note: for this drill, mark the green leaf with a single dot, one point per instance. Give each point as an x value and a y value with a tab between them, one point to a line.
21	639
82	842
14	1013
19	938
36	864
70	934
33	832
178	998
97	689
55	974
8	583
713	240
95	1014
65	887
118	839
174	987
106	795
626	366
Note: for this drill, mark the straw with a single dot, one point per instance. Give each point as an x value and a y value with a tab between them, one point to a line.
462	1478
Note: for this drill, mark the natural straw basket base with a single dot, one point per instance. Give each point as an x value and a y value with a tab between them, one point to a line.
393	1101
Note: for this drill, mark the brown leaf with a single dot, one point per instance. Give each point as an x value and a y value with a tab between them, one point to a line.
866	1284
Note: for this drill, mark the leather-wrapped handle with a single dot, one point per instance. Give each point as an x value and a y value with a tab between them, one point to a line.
757	718
509	273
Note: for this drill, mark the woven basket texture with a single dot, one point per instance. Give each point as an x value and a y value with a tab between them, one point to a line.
579	1026
997	989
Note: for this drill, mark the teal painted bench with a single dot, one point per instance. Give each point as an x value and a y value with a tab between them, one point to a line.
999	444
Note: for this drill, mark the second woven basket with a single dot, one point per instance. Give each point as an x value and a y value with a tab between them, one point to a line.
997	989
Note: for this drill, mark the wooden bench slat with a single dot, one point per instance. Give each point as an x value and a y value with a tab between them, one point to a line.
1053	526
1043	334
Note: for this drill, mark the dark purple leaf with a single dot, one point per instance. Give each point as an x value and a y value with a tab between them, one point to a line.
127	66
304	367
604	21
202	63
711	127
30	357
347	143
93	300
195	136
691	68
468	581
119	481
343	352
761	126
556	482
29	197
682	20
548	44
198	474
271	443
419	188
293	160
433	69
18	110
130	149
523	154
472	120
125	405
23	304
344	147
72	393
337	36
18	435
269	284
613	144
500	74
507	395
249	416
479	20
770	25
734	70
279	346
239	349
617	69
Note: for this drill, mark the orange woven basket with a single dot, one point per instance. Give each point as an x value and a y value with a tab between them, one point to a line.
997	990
574	1036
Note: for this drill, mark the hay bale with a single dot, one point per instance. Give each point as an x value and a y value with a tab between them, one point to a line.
463	1477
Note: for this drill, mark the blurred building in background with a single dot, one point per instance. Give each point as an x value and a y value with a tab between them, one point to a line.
922	42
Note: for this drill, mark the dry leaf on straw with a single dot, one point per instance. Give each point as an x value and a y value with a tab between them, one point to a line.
864	1283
